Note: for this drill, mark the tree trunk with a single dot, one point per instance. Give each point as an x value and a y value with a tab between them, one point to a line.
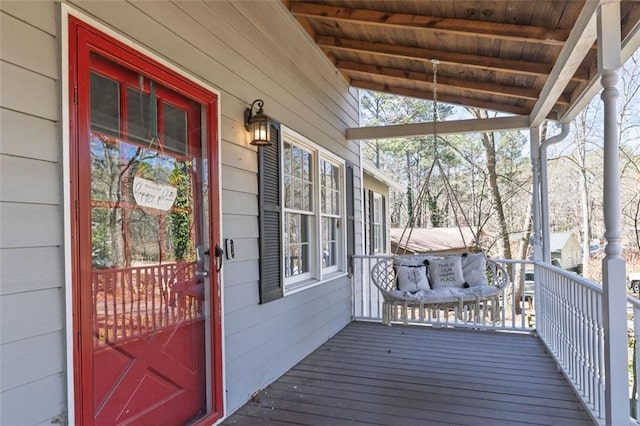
523	247
489	144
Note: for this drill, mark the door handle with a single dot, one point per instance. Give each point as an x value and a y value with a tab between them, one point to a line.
218	252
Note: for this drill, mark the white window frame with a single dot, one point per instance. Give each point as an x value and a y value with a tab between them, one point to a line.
317	274
339	246
378	231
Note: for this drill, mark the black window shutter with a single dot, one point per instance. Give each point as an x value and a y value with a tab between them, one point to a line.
351	216
270	284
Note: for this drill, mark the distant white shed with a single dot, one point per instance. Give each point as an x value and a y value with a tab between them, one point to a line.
566	248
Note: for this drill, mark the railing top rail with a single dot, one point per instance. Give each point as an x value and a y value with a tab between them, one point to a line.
633	300
592	285
372	256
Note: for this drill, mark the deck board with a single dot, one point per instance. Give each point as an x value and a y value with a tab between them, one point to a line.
370	374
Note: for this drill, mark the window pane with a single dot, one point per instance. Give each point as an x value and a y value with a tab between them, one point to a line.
306	166
296	162
307	197
286	163
175	129
323	199
105	105
330	194
296	202
296	173
329	241
288	192
296	244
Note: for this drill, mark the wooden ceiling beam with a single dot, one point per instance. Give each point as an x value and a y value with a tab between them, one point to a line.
582	37
455	127
425	77
510	66
630	44
465	27
426	94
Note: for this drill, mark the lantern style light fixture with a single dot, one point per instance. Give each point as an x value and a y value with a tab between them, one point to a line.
257	124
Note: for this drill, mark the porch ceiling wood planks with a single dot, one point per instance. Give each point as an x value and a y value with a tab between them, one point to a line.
405	375
534	57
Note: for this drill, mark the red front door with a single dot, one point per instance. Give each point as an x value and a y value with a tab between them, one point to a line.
146	304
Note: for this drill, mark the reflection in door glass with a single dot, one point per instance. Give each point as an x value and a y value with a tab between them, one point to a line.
143	234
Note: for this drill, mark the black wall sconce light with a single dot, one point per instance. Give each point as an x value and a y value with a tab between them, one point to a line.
257	124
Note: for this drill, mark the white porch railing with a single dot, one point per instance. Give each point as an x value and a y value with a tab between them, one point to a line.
570	325
565	311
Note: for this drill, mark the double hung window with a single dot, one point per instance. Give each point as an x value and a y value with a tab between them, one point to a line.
312	206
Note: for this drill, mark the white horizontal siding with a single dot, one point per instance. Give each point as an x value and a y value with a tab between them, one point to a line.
41	18
34	402
31	265
38	143
239	203
30	225
240	295
239	156
29	269
28	47
239	180
29	92
30	314
240	226
23	363
241	272
32	181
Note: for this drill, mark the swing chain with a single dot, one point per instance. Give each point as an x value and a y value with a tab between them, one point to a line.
435	63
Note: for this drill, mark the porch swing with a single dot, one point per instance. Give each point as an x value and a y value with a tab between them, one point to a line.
427	288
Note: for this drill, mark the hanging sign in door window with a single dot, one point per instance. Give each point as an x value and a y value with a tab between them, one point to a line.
153	195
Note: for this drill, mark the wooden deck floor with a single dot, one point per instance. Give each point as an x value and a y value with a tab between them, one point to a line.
370	374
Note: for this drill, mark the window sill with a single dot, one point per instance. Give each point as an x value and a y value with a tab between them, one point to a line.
310	283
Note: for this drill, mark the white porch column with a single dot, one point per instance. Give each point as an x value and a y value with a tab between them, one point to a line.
613	266
534	148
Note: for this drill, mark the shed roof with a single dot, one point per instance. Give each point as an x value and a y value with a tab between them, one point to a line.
558	240
426	240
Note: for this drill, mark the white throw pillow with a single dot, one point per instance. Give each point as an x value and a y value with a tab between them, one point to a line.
413	278
474	269
446	272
